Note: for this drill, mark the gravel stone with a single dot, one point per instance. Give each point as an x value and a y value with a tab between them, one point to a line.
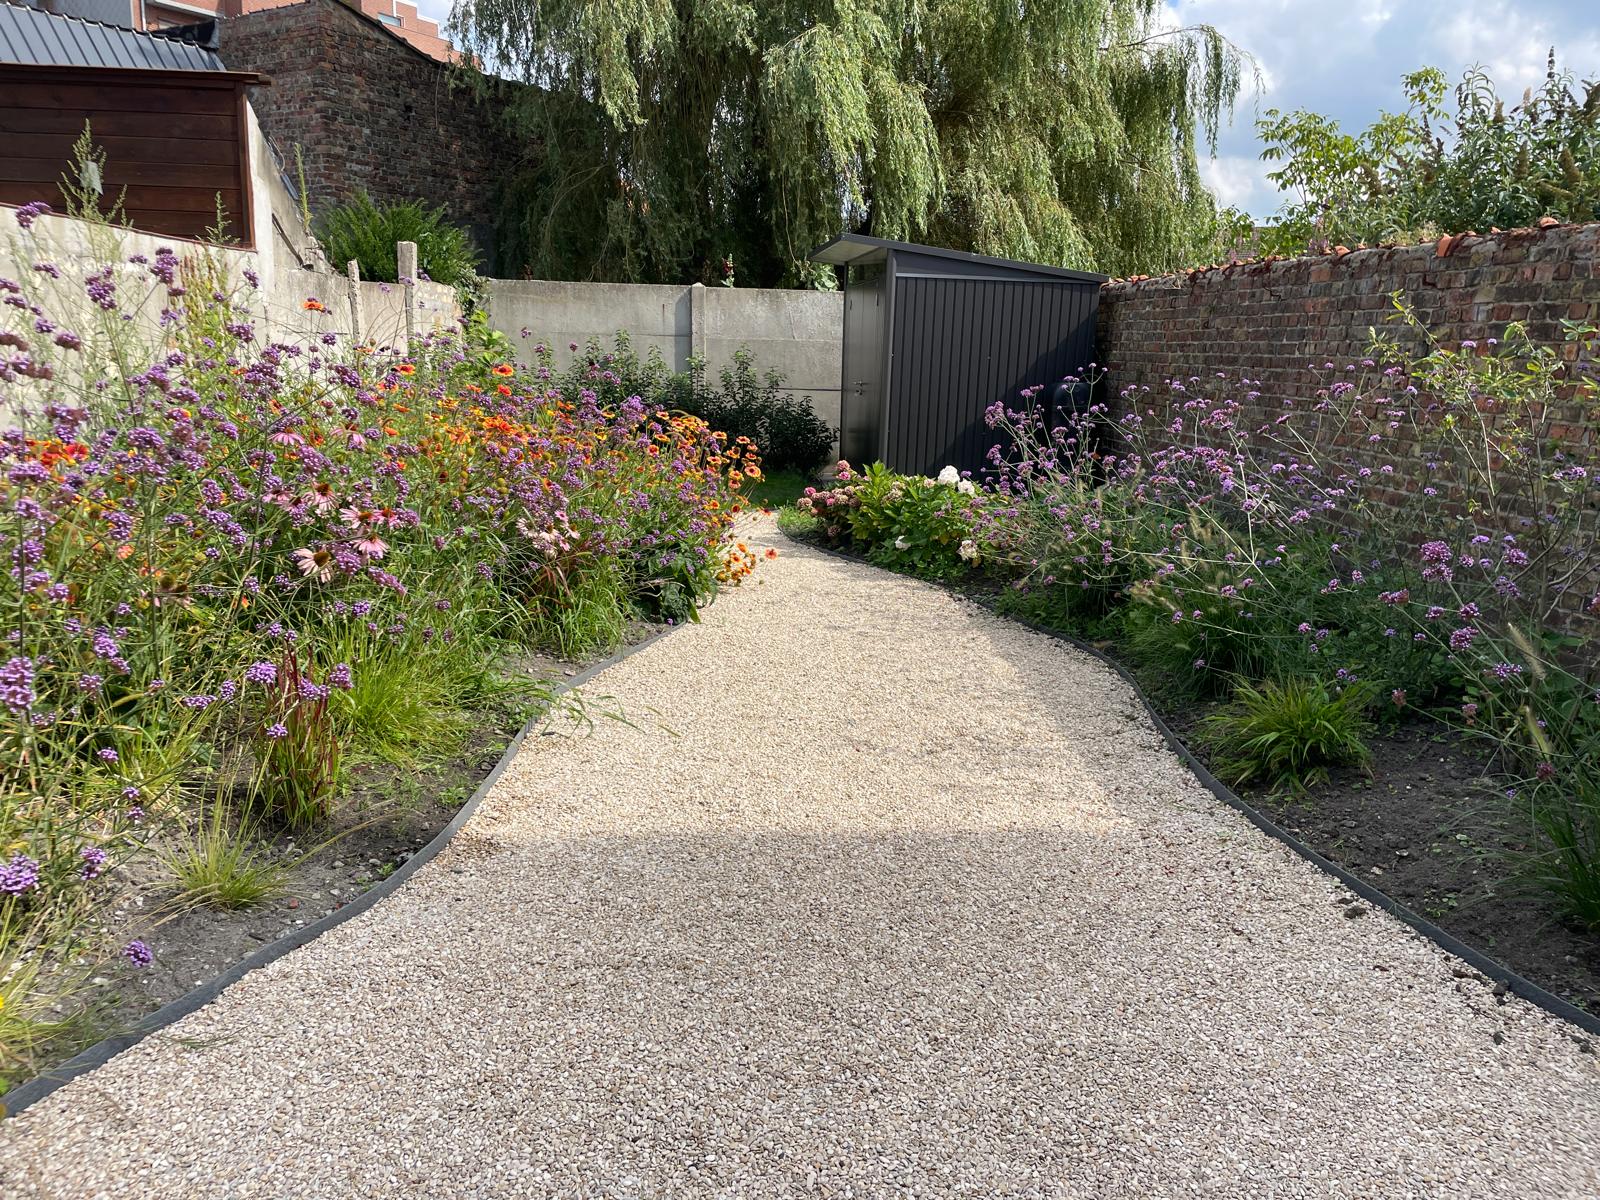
872	895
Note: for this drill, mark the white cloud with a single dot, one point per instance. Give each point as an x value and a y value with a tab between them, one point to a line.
1511	44
1238	180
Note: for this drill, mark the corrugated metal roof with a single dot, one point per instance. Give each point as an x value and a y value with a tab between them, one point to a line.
850	248
36	38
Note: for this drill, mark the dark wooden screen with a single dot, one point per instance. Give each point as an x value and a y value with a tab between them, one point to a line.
177	141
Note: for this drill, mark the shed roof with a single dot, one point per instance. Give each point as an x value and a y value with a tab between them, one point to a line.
41	39
852	249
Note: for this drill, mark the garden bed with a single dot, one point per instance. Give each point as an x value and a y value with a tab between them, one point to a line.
1426	825
387	813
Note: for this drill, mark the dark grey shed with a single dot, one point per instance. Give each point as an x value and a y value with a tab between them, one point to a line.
933	337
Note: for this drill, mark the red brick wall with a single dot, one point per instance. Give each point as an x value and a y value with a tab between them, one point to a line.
368	113
1270	320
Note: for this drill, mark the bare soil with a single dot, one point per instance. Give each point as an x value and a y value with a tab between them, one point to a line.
1430	828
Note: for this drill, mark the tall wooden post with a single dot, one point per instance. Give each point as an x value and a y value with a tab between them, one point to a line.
407	260
353	272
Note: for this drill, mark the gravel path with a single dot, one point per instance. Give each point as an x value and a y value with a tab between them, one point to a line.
874	895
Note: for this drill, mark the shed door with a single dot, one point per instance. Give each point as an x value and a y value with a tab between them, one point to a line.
961	344
861	396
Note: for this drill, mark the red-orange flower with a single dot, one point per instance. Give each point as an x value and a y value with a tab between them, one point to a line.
505	370
314	305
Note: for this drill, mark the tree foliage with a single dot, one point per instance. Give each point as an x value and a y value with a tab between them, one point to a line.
1429	171
672	135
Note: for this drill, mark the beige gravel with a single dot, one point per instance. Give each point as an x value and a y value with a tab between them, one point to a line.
874	895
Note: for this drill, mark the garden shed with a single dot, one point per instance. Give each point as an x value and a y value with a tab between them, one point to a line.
933	337
172	120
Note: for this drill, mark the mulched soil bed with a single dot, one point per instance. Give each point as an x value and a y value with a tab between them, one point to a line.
385	816
1429	828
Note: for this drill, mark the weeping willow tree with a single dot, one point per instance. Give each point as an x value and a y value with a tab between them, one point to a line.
673	139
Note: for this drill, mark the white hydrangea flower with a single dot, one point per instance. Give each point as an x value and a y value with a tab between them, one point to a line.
950	476
966	487
969	551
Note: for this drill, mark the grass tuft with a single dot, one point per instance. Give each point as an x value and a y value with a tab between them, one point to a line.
1288	734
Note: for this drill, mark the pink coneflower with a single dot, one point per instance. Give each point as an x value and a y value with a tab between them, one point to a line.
371	546
287	437
357	518
315	564
320	496
282	497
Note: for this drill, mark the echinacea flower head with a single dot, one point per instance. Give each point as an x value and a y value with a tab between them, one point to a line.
315	563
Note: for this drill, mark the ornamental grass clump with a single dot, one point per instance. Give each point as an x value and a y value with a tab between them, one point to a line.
296	742
1288	734
229	559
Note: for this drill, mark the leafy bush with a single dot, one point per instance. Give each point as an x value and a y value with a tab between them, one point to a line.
784	428
1429	171
939	528
367	231
1289	733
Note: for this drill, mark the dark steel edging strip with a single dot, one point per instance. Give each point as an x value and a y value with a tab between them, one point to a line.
1480	962
35	1090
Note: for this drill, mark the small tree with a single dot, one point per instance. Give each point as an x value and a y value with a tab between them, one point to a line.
368	231
1428	171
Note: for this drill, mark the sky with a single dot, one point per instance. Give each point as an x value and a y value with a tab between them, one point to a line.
1345	58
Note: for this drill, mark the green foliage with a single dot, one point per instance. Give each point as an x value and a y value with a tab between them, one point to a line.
578	604
796	524
1289	733
679	135
1567	813
939	529
1429	170
784	427
368	231
779	489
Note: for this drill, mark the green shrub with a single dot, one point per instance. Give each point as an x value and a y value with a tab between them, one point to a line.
789	434
937	528
1289	733
742	403
367	232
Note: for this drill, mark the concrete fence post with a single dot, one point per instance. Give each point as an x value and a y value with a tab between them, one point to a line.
406	257
352	271
697	320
